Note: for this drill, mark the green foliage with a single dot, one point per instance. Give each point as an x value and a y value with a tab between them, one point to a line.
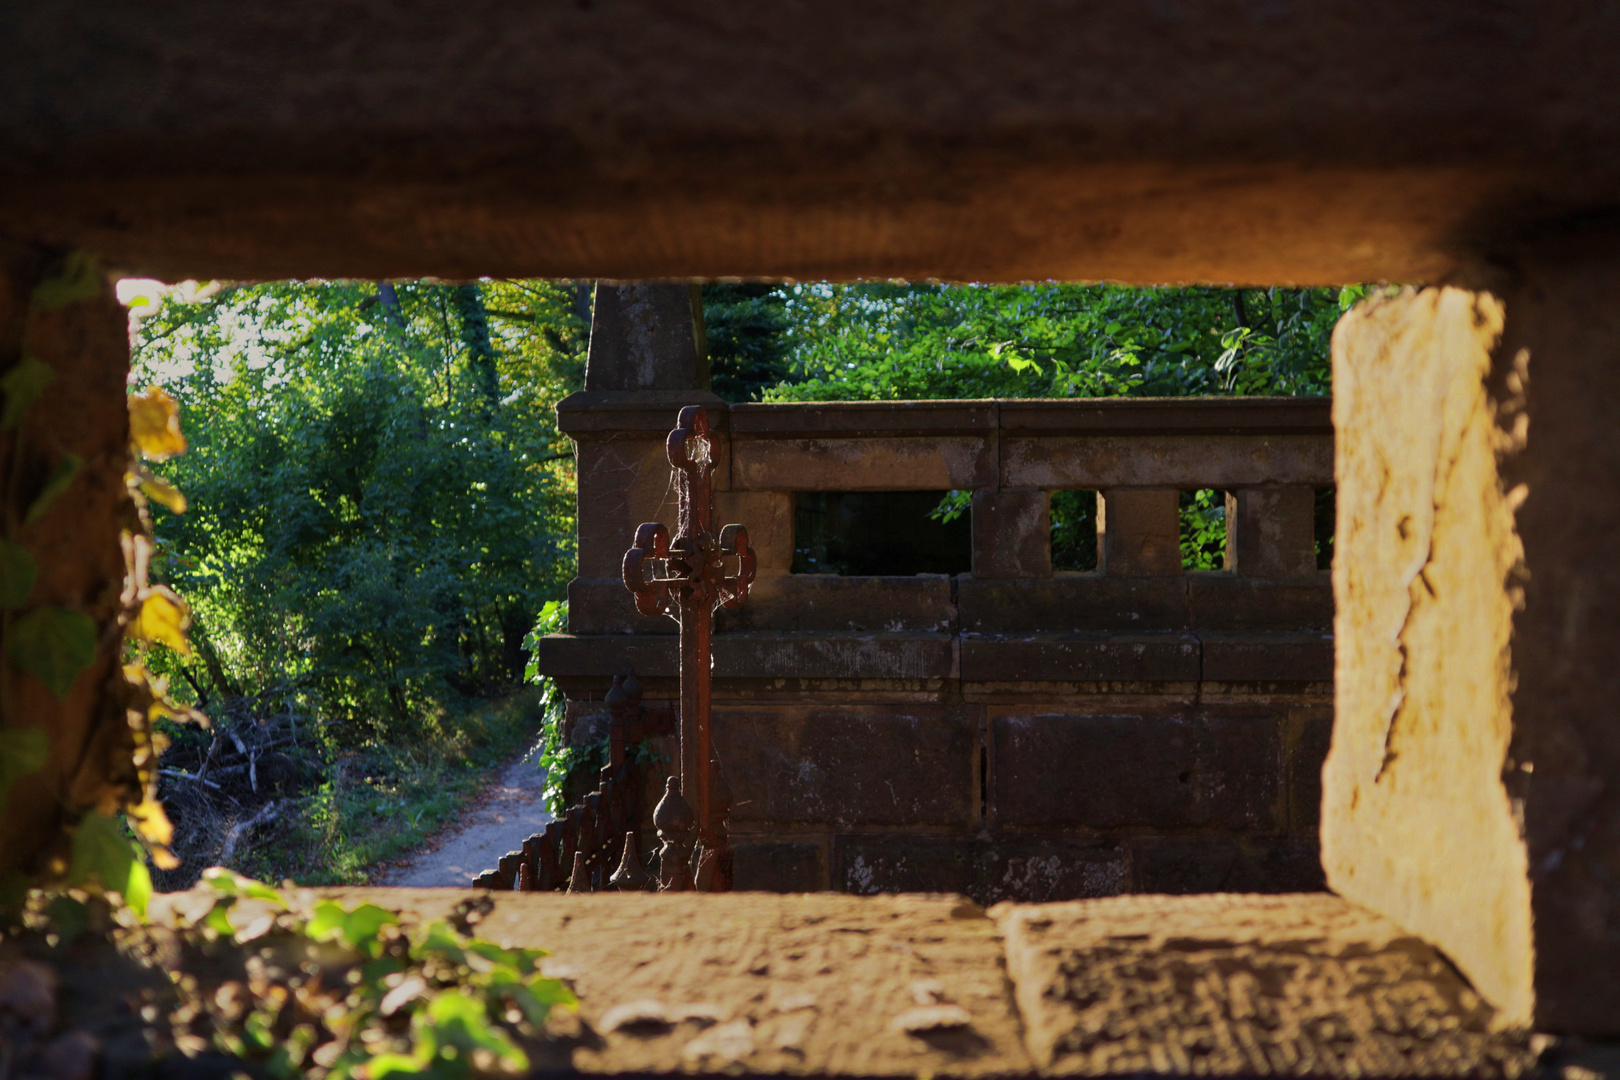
22	751
746	326
17	572
1203	530
23	384
886	341
103	853
79	277
380	497
293	986
556	760
1074	530
53	644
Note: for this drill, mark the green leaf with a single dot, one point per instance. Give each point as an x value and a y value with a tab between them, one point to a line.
230	883
17	571
102	851
53	644
22	750
79	278
58	483
23	384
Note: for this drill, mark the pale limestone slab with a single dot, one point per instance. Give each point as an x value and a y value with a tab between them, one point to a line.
818	984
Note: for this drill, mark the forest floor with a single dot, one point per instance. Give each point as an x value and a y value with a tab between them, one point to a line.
495	822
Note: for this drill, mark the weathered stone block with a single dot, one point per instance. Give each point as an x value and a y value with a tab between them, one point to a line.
1071	602
828	603
779	868
1012	534
1471	790
1271	531
604	606
1158	770
1307	734
622	483
1225	602
987	869
834	656
871	765
1184	461
1267	657
1227	865
864	463
768	517
1139	532
1080	657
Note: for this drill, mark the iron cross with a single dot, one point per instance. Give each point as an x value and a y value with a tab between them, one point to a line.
693	568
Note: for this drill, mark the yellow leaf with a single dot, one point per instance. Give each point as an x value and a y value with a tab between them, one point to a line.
163	618
150	821
154	424
161	491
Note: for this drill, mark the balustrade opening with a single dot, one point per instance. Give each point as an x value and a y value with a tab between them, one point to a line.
881	533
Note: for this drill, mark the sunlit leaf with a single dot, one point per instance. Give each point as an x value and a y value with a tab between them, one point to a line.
227	882
53	644
78	278
151	822
101	852
154	424
23	384
59	482
22	750
163	619
17	571
163	493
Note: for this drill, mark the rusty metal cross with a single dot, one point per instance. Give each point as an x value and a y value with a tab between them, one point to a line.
693	568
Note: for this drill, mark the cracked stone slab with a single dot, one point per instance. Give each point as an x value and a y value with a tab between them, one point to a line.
818	984
1222	984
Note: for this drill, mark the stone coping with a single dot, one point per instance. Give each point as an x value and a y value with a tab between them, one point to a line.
593	412
932	985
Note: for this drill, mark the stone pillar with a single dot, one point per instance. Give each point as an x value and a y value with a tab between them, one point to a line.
646	361
1139	532
647	336
1473	787
1012	534
1271	531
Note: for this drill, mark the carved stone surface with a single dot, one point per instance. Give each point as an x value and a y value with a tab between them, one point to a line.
1242	985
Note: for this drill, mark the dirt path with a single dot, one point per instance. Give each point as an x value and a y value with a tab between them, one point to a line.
510	810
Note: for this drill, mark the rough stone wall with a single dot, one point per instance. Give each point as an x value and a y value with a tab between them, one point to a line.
1470	790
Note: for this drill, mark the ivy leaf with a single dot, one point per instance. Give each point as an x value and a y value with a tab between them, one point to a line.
23	384
154	424
163	618
78	279
53	644
17	572
102	851
58	483
22	751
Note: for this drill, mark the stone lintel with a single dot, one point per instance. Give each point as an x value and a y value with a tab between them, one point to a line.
960	141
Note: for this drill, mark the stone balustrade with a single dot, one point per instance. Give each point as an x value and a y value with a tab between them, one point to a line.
1013	731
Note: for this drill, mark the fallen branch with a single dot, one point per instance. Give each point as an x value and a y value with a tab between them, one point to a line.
181	774
267	813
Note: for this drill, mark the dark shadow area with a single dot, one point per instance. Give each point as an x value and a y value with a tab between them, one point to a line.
877	533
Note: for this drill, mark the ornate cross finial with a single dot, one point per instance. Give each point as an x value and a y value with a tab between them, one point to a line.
690	575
